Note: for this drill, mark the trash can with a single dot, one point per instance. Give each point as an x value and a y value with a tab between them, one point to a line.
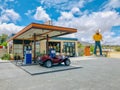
87	51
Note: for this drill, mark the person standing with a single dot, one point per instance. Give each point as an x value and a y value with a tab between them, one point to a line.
97	38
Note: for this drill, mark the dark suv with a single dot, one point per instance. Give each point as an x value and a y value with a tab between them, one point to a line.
47	61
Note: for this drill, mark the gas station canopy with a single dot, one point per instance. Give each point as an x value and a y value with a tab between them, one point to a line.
40	31
36	32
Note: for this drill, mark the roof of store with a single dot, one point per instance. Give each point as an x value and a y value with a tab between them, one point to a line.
64	38
41	30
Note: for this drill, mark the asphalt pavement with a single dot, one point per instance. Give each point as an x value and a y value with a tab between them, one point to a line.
97	73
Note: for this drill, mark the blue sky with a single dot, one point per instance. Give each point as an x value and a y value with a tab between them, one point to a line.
116	31
85	15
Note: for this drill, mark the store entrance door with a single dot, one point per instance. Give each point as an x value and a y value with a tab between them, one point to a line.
69	49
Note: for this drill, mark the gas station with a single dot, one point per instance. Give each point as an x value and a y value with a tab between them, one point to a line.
24	42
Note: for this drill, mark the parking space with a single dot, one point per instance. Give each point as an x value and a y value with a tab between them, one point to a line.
37	69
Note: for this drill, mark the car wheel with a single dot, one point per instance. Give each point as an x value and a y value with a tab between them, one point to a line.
48	64
67	62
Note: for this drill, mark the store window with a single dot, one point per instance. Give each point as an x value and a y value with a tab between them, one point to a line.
55	45
69	48
37	48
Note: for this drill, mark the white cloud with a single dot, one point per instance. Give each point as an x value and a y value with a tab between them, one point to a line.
7	19
64	4
9	15
87	24
41	14
5	3
29	12
11	0
75	10
66	16
112	4
8	0
9	28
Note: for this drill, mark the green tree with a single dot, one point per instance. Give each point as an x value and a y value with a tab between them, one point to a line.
4	44
3	38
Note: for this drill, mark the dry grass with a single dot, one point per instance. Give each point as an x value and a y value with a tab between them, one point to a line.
114	54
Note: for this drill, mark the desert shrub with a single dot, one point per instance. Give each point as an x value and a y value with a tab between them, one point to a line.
91	48
80	51
6	57
117	49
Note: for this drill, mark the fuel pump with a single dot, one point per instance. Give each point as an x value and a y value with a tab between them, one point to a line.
27	54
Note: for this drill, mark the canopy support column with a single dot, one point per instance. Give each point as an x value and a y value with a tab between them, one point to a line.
23	49
47	47
34	47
